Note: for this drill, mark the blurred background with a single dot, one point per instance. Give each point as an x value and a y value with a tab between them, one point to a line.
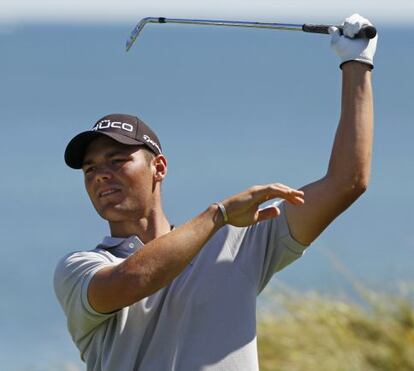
232	107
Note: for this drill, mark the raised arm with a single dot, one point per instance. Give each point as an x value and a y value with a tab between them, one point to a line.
349	167
164	258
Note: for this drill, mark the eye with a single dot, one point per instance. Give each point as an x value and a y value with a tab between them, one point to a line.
118	161
89	169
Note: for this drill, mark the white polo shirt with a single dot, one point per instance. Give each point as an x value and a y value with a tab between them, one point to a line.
205	319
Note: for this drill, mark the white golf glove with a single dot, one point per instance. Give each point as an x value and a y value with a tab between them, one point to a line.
349	49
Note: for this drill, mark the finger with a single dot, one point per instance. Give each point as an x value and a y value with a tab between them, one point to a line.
268	213
296	200
357	18
335	34
282	191
297	193
275	190
350	26
353	25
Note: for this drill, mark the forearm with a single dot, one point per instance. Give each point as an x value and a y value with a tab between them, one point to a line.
154	266
161	260
350	161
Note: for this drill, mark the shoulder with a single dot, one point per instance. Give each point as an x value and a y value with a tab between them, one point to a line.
71	278
77	259
72	267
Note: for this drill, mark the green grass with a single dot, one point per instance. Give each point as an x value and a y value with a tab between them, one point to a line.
306	332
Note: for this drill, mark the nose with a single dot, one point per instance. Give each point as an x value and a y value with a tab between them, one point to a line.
103	174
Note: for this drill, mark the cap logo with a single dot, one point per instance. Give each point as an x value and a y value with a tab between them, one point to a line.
106	124
149	140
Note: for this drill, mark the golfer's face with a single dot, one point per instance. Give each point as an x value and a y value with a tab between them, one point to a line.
118	179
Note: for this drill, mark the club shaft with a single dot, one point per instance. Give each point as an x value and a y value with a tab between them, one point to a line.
207	22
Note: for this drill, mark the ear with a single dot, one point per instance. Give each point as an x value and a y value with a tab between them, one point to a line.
160	167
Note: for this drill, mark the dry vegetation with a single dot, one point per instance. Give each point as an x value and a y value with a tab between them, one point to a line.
311	332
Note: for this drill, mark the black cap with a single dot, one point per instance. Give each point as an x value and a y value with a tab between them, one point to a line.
125	129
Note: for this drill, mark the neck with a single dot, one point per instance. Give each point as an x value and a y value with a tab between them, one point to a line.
146	228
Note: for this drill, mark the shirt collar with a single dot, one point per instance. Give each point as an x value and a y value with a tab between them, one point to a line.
110	241
121	247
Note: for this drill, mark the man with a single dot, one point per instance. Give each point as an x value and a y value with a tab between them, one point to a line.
151	297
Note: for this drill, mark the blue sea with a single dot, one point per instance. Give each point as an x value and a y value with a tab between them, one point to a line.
233	108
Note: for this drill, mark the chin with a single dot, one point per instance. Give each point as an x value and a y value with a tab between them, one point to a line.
117	213
113	213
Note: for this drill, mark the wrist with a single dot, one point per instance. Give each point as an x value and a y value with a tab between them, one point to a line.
356	65
355	72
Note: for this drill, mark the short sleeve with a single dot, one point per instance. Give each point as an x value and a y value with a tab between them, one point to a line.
265	248
71	279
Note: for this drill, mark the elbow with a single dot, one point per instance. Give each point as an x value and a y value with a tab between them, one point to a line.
361	187
360	184
356	187
349	189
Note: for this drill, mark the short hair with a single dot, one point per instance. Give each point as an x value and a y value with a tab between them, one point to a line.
148	155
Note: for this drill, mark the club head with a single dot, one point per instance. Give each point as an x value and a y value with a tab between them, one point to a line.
136	31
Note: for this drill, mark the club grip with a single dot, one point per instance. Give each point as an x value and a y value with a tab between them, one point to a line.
367	32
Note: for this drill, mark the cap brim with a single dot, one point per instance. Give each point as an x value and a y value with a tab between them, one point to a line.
76	149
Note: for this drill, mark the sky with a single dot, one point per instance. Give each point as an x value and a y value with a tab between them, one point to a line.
300	11
246	106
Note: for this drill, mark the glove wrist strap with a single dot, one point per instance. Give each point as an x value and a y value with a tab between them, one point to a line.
371	66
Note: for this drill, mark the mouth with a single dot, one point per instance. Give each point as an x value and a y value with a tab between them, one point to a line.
108	192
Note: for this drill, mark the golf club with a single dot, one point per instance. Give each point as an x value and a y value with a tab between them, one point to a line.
368	32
